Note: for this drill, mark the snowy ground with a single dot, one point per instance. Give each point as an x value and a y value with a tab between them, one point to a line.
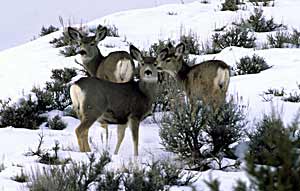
24	66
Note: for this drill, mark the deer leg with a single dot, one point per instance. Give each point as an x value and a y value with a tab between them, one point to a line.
121	132
82	132
134	125
105	126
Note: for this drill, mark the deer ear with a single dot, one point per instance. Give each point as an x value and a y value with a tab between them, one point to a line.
162	55
101	33
74	34
179	50
135	53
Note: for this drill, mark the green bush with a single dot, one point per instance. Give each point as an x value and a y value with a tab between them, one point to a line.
112	30
233	37
185	131
258	22
230	5
284	39
70	50
252	65
24	114
46	31
20	177
264	2
157	175
191	43
276	146
85	176
266	141
157	47
279	40
56	123
56	94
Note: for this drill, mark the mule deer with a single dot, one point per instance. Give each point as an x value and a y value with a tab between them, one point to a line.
207	81
115	103
116	67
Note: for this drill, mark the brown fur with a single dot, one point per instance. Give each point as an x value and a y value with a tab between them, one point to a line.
97	65
117	103
207	81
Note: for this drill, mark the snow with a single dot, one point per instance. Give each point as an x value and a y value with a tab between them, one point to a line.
30	65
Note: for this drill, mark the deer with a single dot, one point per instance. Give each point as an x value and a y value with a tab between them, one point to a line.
207	81
117	66
116	103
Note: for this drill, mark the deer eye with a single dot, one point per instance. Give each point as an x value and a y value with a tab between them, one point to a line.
168	60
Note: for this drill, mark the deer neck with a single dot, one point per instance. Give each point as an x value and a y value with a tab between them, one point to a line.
183	72
148	89
92	63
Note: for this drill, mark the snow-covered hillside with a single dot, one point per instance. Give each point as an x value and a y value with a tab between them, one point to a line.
30	65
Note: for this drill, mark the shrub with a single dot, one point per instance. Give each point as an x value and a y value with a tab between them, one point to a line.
265	142
24	114
46	31
264	2
226	126
252	65
70	50
56	123
275	146
112	30
258	22
284	39
233	37
157	47
230	5
56	93
191	43
157	175
293	97
20	177
45	156
82	176
186	131
279	40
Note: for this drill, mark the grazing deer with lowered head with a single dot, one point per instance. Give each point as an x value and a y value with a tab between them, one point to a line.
116	67
116	103
207	81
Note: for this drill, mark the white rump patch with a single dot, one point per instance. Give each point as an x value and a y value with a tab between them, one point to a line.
222	78
124	70
77	96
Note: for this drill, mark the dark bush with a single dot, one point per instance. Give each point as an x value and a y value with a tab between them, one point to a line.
267	140
252	65
284	39
279	40
226	126
68	51
157	47
112	30
24	114
56	93
20	177
157	175
233	37
82	177
264	2
56	123
46	31
191	43
230	5
185	131
276	146
258	22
